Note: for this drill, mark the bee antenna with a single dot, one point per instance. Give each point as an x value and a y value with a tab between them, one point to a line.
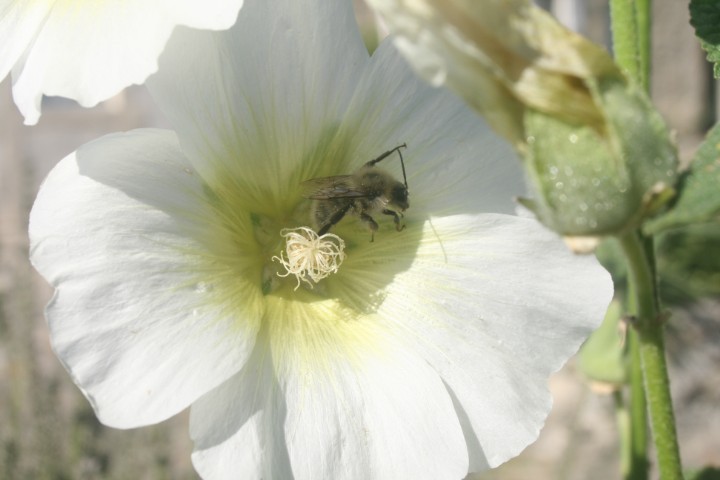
387	154
402	164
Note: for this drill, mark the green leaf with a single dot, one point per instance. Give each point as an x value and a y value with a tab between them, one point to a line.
698	200
705	17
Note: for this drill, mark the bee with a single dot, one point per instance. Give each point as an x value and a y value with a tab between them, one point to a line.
369	190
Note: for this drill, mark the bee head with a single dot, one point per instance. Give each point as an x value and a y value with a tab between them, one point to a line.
399	196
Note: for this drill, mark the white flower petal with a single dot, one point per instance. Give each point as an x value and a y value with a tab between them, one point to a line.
496	304
205	14
90	50
208	84
454	162
374	412
121	229
260	114
19	22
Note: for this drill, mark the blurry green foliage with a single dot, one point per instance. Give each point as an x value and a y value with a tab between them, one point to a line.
698	198
708	473
688	262
705	17
602	358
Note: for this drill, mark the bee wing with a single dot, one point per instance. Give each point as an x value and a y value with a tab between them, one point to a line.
340	186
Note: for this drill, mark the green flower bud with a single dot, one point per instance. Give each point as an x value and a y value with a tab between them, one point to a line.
600	179
598	156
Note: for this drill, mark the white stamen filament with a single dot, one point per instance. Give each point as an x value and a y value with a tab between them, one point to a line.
310	256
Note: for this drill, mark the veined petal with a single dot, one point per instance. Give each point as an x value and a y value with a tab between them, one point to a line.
124	231
316	125
496	304
351	412
455	163
264	116
90	50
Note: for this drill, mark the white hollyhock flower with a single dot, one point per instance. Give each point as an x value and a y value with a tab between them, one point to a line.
424	356
89	50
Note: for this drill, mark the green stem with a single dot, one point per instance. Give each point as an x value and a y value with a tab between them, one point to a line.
631	30
639	464
649	326
625	36
624	425
636	446
631	26
644	27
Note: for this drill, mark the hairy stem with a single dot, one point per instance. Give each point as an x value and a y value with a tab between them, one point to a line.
649	327
625	36
638	414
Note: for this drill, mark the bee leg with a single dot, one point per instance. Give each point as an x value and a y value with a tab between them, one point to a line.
372	224
396	218
337	216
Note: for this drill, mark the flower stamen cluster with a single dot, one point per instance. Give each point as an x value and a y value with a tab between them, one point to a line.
310	255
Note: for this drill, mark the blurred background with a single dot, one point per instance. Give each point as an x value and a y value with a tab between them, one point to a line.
48	430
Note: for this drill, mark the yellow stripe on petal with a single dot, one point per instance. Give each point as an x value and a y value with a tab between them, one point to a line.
309	335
